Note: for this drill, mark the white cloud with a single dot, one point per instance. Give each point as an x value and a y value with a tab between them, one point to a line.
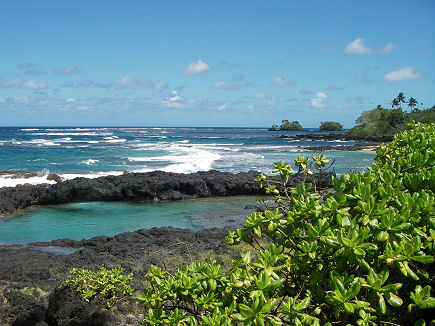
250	107
317	102
357	46
220	85
402	74
66	71
221	107
173	101
33	85
197	67
283	82
389	47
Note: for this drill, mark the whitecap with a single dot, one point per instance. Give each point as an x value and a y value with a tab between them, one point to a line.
89	161
121	140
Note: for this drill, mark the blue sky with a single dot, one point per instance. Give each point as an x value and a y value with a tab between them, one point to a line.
211	63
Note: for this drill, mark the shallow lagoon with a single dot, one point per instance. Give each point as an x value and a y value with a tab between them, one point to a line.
83	220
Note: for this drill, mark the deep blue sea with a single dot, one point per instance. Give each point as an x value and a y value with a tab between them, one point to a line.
93	152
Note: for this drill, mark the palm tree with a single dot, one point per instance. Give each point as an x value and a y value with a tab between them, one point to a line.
379	107
412	102
400	98
395	103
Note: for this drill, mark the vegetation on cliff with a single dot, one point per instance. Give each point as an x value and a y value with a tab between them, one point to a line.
330	126
363	255
382	122
287	125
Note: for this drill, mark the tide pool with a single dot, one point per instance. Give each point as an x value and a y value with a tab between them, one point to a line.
84	220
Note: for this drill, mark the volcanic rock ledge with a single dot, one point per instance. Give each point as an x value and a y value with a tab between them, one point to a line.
150	186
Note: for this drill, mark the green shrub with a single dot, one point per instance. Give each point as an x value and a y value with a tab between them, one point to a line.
294	125
363	255
108	285
330	126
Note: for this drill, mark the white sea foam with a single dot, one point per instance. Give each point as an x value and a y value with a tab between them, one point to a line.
121	140
10	180
29	129
91	133
89	161
69	176
181	159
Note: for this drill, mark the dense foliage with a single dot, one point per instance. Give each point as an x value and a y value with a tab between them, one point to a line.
363	254
384	122
330	126
108	285
287	125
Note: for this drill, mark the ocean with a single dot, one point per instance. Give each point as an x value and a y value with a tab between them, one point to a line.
94	152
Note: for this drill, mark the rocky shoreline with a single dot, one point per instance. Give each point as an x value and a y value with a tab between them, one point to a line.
336	136
152	186
31	275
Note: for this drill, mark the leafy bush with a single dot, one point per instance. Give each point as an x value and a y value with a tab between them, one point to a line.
294	125
362	255
107	284
330	126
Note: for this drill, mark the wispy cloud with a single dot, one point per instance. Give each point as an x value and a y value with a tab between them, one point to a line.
21	84
260	96
358	46
35	71
238	77
196	68
283	82
129	82
15	82
65	71
27	65
223	85
30	84
402	74
317	102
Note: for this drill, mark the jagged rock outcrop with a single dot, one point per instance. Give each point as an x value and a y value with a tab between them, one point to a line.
137	187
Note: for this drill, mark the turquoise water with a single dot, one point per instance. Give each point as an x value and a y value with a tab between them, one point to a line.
88	219
92	152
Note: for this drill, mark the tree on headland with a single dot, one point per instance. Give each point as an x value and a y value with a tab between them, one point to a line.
330	126
400	98
273	128
412	103
394	103
382	122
